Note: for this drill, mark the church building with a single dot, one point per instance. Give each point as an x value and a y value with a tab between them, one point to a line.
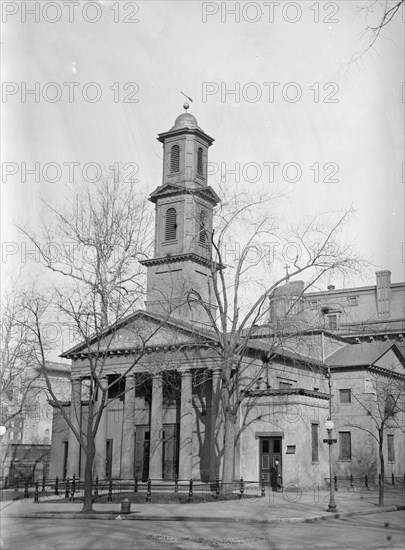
165	419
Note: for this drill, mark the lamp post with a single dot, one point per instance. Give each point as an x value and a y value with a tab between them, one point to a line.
329	427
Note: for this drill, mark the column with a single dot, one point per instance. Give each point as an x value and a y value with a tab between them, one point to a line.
186	427
217	426
101	435
156	429
75	415
128	430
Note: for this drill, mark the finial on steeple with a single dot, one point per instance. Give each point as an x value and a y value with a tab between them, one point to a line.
186	105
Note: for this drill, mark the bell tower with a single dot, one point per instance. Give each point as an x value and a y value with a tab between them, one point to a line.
184	206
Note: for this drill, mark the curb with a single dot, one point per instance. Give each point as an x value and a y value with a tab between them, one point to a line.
133	517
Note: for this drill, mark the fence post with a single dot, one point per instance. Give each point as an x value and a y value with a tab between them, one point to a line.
351	482
109	496
136	484
57	486
6	482
26	489
263	492
149	491
217	487
366	482
336	484
74	483
96	487
43	483
242	487
36	493
393	479
190	491
67	488
176	484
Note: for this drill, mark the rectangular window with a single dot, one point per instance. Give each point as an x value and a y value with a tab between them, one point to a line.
345	446
332	321
345	396
391	450
315	442
353	300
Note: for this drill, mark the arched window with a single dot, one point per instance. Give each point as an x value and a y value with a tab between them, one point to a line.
200	170
202	235
171	224
175	159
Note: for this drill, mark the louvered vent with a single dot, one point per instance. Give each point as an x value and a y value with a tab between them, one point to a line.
200	171
175	159
171	224
202	236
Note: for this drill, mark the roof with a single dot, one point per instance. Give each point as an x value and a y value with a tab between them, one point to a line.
280	351
183	326
362	354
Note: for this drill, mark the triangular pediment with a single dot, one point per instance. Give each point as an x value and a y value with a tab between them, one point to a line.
143	330
170	189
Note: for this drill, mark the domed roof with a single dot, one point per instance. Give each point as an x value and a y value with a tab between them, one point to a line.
185	120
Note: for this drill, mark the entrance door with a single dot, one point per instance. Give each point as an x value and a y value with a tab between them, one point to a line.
170	451
270	457
108	458
142	444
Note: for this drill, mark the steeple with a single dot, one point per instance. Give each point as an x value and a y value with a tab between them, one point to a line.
184	211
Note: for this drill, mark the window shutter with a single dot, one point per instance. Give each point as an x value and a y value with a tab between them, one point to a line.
200	170
171	224
202	236
175	159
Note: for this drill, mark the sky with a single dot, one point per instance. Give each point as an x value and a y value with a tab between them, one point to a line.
108	78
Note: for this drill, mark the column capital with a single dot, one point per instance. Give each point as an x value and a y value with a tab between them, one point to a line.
216	371
184	371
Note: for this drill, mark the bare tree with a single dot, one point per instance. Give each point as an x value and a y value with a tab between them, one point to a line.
95	244
387	11
101	377
384	404
17	355
240	312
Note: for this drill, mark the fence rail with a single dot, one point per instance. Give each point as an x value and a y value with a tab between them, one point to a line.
74	488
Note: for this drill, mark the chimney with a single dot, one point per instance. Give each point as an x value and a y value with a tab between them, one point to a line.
331	287
383	297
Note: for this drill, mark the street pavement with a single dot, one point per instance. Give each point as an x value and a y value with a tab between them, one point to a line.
287	507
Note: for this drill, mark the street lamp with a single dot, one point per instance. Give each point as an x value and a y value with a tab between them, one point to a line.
329	427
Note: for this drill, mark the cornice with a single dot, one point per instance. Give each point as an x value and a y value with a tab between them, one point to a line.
189	257
185	130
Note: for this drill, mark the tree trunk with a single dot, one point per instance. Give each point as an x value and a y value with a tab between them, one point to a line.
88	469
229	450
88	480
382	469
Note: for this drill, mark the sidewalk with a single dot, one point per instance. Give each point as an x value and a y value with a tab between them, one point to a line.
289	507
